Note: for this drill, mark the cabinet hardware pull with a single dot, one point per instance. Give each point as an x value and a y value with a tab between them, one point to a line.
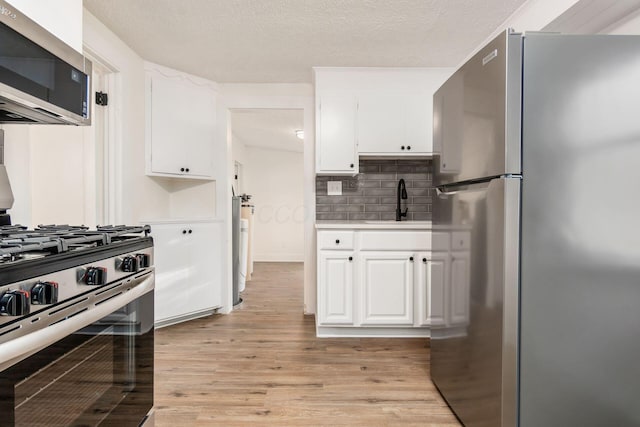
184	231
181	169
424	260
350	258
351	165
190	231
187	169
408	148
410	258
402	147
337	241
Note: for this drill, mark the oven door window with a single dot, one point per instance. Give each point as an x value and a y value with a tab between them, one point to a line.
100	375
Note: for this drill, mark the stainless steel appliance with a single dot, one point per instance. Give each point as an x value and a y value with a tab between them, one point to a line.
6	195
539	141
76	326
42	79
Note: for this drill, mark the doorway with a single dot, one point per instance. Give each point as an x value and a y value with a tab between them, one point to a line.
267	153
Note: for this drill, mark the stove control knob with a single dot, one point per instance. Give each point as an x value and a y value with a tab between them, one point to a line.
95	276
14	303
44	293
144	260
129	264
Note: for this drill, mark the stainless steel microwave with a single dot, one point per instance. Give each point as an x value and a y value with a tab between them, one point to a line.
42	79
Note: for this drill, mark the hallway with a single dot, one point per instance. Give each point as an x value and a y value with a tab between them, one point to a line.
262	365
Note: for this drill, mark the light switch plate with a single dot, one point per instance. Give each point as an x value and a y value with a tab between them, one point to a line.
334	188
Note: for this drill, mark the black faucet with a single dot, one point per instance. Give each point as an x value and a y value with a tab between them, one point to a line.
402	194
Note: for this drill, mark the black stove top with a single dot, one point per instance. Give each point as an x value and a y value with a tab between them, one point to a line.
18	243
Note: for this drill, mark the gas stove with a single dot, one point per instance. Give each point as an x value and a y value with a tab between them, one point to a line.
54	263
76	325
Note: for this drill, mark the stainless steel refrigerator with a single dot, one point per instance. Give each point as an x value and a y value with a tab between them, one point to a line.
538	188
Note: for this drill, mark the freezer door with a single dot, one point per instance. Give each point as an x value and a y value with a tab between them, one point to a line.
474	356
476	122
581	231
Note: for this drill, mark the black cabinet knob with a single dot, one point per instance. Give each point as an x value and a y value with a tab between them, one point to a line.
181	169
402	147
44	293
410	258
408	147
350	258
351	165
184	231
187	170
424	260
190	231
337	241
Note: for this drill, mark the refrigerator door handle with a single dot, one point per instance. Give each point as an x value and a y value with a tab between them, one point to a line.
444	192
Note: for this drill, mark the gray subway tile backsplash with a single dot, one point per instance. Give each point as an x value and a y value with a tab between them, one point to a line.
371	195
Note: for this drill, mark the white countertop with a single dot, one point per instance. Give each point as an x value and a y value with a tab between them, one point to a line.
376	225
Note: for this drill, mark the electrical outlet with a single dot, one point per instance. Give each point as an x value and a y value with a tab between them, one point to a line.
334	188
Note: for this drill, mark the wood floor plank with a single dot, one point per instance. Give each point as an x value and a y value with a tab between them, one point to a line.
262	365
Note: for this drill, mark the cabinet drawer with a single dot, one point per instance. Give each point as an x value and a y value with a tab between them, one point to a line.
335	239
395	240
460	240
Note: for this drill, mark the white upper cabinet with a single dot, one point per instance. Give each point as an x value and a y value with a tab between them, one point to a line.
393	114
62	18
336	129
181	124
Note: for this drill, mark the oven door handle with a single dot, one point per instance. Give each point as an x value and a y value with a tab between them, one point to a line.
20	348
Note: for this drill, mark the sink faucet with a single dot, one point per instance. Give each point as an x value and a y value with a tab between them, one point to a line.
402	194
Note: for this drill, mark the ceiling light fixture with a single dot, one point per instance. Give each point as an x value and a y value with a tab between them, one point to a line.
300	134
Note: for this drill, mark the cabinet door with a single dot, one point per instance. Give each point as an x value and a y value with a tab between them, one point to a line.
335	288
336	142
171	261
205	283
183	123
387	288
381	124
169	111
199	132
459	299
433	272
418	118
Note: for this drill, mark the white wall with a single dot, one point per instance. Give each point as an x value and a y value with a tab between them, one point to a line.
629	25
275	180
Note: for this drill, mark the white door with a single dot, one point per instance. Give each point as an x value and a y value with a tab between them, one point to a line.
203	285
418	112
335	288
433	269
171	260
169	143
381	124
387	288
337	134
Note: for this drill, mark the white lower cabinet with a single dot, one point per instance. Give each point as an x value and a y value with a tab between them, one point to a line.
432	277
386	280
335	298
187	263
369	286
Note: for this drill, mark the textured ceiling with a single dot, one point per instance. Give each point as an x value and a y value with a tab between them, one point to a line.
263	41
266	128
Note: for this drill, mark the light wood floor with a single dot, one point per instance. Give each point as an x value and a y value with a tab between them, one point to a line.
263	366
